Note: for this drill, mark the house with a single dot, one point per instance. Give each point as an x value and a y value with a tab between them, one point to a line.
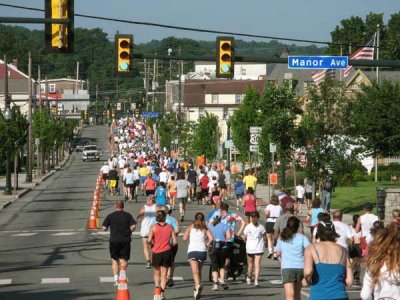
68	93
218	97
18	86
243	70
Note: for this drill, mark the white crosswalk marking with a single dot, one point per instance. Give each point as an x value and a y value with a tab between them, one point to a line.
55	280
5	281
106	279
276	281
26	234
178	278
64	233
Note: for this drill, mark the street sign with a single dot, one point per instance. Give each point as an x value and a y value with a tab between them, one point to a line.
150	114
272	148
253	148
255	133
318	62
228	144
273	178
119	106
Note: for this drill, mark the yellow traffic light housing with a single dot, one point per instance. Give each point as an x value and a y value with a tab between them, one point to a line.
59	37
124	50
86	114
108	116
113	113
225	57
137	112
54	110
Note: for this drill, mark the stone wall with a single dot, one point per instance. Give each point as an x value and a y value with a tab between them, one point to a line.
392	201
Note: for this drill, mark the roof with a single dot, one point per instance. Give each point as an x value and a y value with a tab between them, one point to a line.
195	90
13	70
62	79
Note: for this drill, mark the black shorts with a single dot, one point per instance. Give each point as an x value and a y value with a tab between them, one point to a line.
150	192
204	192
130	185
222	186
218	258
105	176
269	227
120	250
182	200
308	196
174	250
300	200
162	259
248	213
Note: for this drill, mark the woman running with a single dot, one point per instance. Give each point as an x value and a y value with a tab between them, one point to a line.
199	238
172	191
250	204
272	212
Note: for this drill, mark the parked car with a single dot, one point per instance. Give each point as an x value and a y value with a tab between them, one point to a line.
90	152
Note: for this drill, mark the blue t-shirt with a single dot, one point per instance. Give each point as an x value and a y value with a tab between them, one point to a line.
211	213
161	196
218	231
314	215
292	251
239	187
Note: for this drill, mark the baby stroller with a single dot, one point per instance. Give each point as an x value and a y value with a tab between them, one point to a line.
238	260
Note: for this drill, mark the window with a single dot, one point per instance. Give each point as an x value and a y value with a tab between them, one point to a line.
225	113
214	98
243	71
201	112
52	88
238	98
42	88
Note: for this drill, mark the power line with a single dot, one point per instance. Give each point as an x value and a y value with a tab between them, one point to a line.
179	27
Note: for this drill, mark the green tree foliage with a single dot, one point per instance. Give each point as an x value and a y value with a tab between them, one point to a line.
243	118
206	136
393	36
375	115
323	129
280	108
13	133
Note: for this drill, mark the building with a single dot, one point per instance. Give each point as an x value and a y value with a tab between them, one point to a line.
18	86
68	93
243	70
218	97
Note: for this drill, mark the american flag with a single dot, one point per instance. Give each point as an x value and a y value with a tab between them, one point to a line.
320	75
366	53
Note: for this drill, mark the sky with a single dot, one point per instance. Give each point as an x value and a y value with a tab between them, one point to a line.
301	19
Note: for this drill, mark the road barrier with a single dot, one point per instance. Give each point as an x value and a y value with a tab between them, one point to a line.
123	291
94	218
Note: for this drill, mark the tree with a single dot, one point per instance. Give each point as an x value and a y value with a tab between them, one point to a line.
280	109
375	113
243	118
206	136
323	130
393	36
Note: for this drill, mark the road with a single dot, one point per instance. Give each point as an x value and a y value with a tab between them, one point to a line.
46	252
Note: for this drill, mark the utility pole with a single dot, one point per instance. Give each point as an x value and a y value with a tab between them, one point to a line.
377	81
38	145
180	91
40	89
97	97
7	190
30	153
77	78
153	85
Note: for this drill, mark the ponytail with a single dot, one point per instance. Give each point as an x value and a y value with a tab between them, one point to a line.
292	226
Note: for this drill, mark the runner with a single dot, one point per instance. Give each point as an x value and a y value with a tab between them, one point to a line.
121	225
143	173
172	191
177	228
105	169
239	191
272	212
161	195
129	183
182	188
254	235
199	238
147	215
150	185
113	176
192	178
364	225
228	182
159	238
250	180
250	204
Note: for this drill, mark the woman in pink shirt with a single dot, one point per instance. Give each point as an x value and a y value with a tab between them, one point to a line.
160	240
249	204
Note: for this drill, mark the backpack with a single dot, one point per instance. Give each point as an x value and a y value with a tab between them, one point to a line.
327	185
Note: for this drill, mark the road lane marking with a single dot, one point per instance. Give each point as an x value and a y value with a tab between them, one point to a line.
178	278
276	281
55	280
64	233
106	279
5	281
25	234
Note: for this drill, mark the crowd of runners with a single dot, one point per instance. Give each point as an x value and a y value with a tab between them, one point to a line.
332	258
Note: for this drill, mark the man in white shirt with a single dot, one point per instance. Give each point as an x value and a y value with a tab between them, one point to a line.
342	229
105	169
300	191
213	173
163	176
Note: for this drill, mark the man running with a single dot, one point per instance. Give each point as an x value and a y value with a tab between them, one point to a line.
121	225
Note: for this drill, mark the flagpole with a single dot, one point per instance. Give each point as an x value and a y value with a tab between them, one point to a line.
377	81
341	71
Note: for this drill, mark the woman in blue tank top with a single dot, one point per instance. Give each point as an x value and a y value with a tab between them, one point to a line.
326	266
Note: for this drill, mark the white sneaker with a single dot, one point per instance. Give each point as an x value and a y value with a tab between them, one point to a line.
255	283
248	280
215	287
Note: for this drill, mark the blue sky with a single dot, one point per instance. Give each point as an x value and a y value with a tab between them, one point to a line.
303	19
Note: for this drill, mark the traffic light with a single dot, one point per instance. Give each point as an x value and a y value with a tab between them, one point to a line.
108	114
124	47
225	57
86	114
59	37
54	110
113	113
137	113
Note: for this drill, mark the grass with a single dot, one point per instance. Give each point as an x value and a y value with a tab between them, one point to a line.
350	199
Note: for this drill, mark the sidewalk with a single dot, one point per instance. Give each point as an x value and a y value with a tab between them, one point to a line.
24	187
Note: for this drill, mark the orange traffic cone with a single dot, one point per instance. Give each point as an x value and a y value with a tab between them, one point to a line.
123	292
157	294
92	220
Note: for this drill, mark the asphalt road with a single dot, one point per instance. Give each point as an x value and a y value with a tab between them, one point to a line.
46	252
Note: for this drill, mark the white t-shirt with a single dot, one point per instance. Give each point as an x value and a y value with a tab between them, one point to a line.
300	191
197	240
345	233
367	221
105	169
254	238
275	211
387	288
163	177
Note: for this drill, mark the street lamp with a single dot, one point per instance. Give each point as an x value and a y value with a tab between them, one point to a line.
7	191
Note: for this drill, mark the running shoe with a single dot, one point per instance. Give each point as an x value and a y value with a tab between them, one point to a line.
170	282
224	286
248	280
270	254
148	265
215	287
255	283
182	219
197	292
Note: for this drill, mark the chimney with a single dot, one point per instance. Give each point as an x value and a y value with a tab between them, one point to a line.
15	63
